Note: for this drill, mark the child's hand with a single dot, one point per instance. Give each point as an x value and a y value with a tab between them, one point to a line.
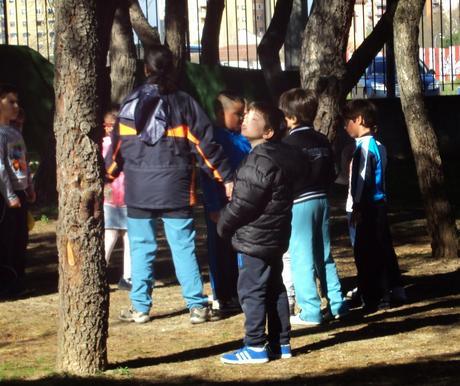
14	203
214	216
228	190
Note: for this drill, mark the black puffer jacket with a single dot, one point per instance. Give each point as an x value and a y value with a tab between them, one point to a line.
259	214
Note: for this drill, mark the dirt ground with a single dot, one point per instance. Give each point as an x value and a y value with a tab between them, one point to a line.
415	344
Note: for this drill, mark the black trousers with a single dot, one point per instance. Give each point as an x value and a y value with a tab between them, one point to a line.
263	298
375	257
14	235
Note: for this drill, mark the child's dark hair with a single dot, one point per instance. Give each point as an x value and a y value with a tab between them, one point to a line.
273	117
224	98
364	108
300	104
6	88
159	62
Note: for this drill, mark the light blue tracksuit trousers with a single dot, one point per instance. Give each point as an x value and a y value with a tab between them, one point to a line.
180	234
311	257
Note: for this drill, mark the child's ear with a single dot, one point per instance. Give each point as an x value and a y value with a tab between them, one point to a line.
268	134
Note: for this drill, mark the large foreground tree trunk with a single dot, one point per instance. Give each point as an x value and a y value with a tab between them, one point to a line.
211	32
440	218
122	54
176	24
323	59
270	46
83	290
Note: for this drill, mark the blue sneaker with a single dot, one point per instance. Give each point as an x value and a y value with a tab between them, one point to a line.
277	351
246	355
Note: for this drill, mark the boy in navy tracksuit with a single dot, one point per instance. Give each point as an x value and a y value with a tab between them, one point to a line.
229	110
379	278
159	133
309	246
258	220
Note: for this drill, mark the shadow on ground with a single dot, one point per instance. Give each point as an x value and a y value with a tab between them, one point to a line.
438	370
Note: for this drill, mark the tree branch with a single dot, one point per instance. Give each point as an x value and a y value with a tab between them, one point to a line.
147	34
270	45
369	48
211	31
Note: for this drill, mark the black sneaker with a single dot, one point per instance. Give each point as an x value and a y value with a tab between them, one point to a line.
125	284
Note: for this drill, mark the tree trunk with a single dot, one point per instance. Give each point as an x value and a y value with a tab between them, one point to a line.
369	48
176	24
440	218
293	41
211	32
83	290
270	46
122	55
323	59
147	34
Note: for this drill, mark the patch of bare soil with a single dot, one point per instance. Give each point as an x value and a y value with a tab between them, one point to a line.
414	344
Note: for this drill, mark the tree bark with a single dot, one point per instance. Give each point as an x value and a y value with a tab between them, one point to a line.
440	218
122	55
211	32
147	34
369	48
323	59
81	30
270	45
293	41
176	24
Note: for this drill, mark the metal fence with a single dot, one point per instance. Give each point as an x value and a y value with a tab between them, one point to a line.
244	22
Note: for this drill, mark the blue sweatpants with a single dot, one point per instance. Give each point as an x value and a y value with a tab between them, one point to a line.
311	257
180	234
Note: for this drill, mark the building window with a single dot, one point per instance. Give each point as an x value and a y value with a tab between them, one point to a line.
25	35
24	24
12	24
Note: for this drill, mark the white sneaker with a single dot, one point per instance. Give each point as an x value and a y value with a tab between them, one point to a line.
296	320
131	315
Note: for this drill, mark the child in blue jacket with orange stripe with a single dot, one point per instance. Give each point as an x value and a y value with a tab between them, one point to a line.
159	133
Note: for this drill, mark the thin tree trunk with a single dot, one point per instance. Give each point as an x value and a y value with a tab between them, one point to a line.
122	55
323	59
270	46
440	218
147	34
176	24
211	32
83	290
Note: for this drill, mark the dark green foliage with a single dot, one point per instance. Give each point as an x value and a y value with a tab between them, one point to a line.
33	75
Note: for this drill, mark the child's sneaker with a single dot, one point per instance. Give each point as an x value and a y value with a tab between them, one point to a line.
296	320
279	351
199	315
246	355
131	315
398	295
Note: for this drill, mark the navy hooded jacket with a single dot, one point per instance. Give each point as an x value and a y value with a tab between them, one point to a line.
158	158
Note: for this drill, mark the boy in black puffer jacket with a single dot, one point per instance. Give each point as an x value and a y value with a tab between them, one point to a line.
258	218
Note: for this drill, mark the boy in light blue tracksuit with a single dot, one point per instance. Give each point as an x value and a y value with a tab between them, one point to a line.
229	111
309	246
